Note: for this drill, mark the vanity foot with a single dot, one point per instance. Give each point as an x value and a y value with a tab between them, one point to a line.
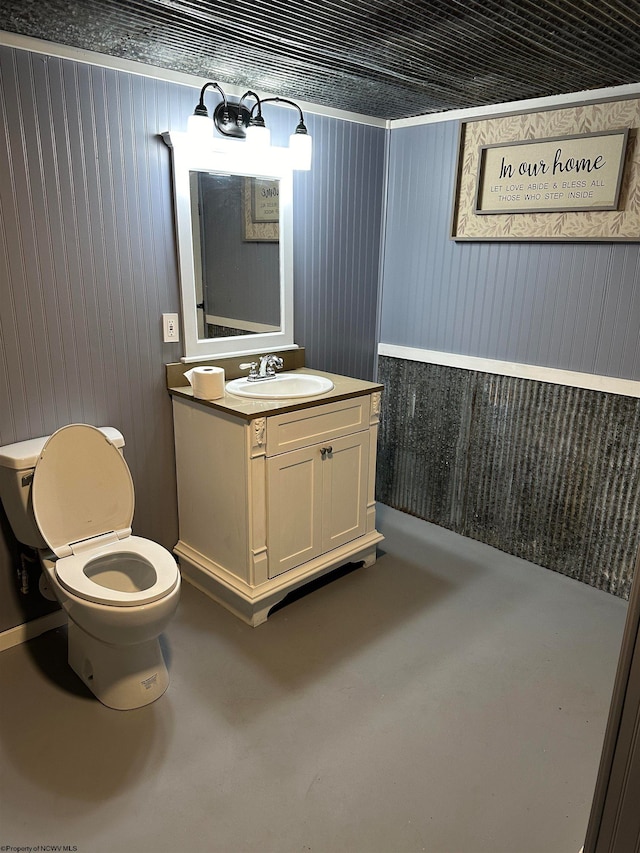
260	616
369	558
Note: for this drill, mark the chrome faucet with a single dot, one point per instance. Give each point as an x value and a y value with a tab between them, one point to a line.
265	370
269	364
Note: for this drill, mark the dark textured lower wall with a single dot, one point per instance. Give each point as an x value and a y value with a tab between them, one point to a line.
549	473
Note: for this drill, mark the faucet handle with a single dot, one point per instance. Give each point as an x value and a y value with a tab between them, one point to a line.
251	366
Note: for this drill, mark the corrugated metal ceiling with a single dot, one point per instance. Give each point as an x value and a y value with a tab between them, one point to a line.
385	59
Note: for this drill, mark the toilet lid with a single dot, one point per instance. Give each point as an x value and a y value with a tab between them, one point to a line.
82	488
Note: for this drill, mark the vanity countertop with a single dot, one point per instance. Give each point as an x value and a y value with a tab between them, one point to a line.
248	409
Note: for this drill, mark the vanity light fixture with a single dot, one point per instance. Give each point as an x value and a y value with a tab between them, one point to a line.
300	144
237	121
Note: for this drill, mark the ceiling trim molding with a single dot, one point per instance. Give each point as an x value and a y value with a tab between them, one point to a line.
590	96
143	69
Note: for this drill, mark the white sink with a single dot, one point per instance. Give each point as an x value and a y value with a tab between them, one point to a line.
280	387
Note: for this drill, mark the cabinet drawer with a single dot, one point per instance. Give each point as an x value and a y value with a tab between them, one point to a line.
321	423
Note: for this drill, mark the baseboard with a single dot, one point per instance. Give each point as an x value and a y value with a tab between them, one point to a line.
29	630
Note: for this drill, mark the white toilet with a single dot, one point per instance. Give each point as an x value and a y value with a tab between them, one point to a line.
71	497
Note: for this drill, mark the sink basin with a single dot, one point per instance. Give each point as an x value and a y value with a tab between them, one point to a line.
280	387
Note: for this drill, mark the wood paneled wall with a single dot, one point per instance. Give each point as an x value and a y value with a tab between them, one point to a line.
88	264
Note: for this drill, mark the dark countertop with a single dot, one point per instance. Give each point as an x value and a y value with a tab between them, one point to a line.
248	409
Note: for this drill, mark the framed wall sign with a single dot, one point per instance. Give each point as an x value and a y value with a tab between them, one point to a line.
261	210
570	174
265	200
581	172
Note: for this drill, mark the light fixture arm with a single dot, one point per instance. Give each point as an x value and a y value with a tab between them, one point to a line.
230	119
301	128
200	109
258	104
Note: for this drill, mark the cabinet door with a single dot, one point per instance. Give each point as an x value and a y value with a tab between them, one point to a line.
316	499
345	471
294	507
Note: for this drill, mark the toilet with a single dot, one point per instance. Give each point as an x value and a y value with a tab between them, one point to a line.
70	495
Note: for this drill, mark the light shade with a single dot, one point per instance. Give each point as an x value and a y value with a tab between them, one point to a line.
301	147
200	128
258	136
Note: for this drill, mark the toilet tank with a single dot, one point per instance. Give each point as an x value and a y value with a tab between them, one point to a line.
17	463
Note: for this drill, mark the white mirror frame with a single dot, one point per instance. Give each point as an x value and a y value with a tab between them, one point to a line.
230	157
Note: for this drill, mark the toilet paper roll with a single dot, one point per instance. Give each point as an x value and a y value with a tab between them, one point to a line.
207	382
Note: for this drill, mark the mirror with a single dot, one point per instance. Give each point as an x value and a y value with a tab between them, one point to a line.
234	232
235	224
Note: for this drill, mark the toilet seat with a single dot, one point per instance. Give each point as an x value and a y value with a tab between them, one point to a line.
83	502
82	488
71	571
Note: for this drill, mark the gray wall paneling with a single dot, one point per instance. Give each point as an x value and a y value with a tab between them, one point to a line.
88	264
546	472
574	306
337	246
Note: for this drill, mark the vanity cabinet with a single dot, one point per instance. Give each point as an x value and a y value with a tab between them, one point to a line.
269	502
321	495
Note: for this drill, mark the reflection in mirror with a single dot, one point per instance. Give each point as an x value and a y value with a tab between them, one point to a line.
236	253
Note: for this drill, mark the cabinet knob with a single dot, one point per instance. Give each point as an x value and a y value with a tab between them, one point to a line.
326	451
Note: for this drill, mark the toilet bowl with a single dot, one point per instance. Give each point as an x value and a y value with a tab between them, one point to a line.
71	496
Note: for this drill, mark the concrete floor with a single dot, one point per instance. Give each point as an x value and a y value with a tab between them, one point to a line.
450	699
